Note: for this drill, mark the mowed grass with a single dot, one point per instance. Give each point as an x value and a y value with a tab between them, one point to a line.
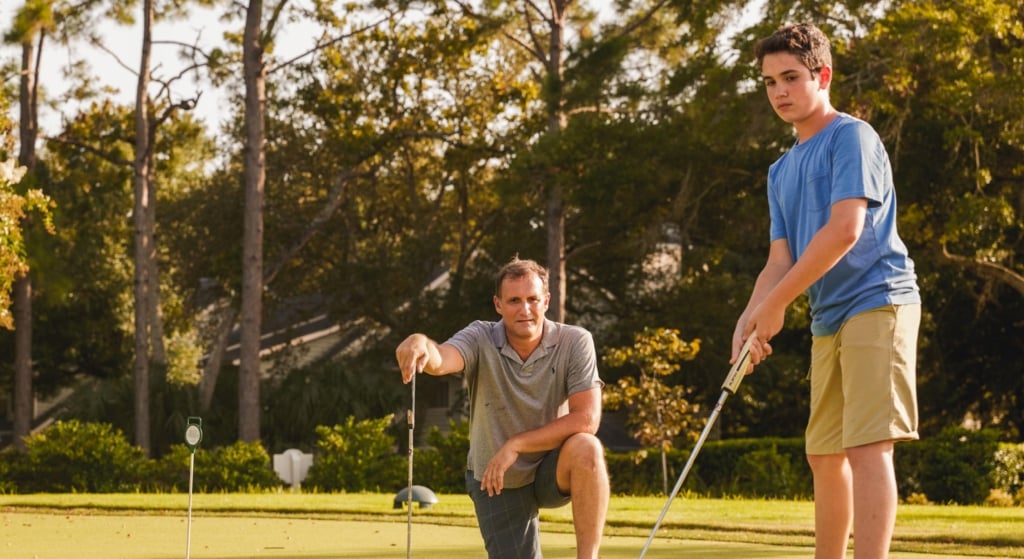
315	526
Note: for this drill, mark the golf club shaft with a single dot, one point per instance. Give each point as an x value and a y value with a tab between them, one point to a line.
731	384
412	423
686	469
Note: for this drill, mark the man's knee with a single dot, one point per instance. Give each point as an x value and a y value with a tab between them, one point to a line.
583	447
582	456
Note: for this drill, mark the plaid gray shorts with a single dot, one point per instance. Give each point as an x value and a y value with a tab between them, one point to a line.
509	522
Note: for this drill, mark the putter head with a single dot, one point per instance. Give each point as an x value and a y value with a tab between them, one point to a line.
739	369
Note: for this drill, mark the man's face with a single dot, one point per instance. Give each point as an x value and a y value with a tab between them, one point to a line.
522	304
794	91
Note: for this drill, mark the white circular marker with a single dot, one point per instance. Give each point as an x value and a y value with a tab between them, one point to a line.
193	434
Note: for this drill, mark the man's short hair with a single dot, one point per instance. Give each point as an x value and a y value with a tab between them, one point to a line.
803	40
516	269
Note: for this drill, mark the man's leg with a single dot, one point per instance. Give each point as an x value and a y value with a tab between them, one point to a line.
508	521
833	504
582	474
874	499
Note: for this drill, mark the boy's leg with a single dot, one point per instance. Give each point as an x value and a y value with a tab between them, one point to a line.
582	474
878	354
508	521
833	504
874	499
833	481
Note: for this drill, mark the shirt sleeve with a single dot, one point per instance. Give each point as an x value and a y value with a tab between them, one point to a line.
583	373
859	164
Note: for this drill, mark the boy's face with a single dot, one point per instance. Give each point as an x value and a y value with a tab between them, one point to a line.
795	92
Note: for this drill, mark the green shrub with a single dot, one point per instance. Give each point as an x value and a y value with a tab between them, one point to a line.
242	466
239	467
765	473
998	498
71	456
639	472
766	467
955	466
356	456
171	470
723	464
1008	474
7	457
442	465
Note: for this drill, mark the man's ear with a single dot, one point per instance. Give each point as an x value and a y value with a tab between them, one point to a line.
825	76
497	304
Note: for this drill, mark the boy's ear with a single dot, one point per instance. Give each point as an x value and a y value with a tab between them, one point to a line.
825	77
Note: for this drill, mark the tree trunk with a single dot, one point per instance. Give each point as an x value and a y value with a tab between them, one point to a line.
143	238
23	408
223	323
252	240
28	130
555	210
155	320
157	350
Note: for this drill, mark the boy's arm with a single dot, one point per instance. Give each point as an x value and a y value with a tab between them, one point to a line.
782	280
779	262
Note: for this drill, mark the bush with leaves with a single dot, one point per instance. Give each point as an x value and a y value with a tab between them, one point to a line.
242	466
1008	475
442	465
356	456
657	413
71	456
954	466
767	473
7	457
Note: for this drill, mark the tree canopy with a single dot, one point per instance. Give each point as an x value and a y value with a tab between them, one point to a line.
413	141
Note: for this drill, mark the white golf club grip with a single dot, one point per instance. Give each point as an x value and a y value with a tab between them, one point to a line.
739	369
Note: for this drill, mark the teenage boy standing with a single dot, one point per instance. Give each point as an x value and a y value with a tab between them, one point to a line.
832	206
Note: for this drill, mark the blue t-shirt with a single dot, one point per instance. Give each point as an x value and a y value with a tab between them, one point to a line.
846	159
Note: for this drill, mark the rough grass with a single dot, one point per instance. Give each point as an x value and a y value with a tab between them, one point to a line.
921	529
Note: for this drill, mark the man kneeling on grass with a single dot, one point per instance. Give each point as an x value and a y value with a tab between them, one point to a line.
535	405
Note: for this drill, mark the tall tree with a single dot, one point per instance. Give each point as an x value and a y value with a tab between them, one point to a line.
254	72
32	23
143	235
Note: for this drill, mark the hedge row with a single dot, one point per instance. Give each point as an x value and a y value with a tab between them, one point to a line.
956	466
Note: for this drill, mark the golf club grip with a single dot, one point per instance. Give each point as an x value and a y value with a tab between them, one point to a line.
739	369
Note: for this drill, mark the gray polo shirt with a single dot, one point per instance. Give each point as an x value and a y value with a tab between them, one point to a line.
508	396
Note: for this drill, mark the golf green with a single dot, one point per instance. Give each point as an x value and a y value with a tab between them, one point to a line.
87	535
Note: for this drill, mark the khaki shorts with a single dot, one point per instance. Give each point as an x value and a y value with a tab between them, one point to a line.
864	382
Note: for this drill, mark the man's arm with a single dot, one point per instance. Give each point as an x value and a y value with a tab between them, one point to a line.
418	353
584	417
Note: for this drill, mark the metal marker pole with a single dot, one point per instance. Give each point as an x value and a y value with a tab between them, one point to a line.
193	435
411	418
188	531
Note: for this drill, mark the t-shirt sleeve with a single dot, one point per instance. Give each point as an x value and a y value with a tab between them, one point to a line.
859	164
467	342
583	374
